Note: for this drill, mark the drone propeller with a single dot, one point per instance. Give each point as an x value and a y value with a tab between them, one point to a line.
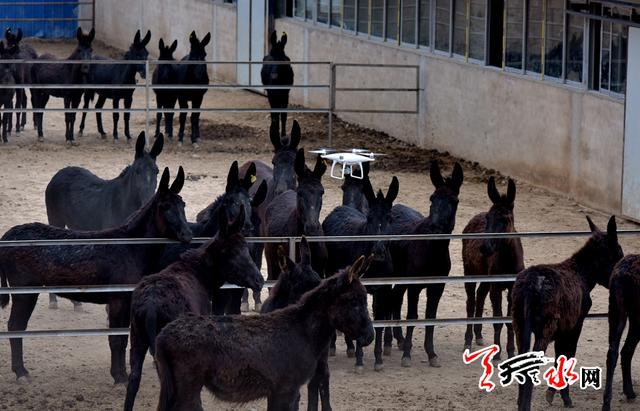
323	151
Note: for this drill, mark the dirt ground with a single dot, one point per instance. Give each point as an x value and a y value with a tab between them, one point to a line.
73	373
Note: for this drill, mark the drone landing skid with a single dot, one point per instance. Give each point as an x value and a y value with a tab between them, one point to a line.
348	169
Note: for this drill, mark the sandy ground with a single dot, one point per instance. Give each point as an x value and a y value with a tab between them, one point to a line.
73	373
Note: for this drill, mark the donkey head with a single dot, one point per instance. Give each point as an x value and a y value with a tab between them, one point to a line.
166	52
444	200
83	50
277	47
309	194
237	199
6	70
349	312
603	251
198	51
138	51
143	170
499	219
13	42
277	73
353	190
296	279
169	208
284	157
231	253
379	217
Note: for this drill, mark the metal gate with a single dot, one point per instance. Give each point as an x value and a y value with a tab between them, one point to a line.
250	46
631	162
47	18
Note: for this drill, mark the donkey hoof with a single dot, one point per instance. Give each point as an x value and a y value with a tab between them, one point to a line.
244	307
480	342
195	146
466	347
405	362
351	352
121	379
24	380
549	396
359	369
386	350
103	136
434	362
40	139
631	397
179	143
53	305
378	367
568	404
258	307
511	353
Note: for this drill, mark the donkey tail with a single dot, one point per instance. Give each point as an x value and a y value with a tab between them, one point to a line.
4	298
166	380
150	324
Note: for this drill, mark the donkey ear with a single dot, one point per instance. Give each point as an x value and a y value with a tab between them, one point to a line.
79	34
492	191
436	176
274	135
7	33
320	168
205	40
92	35
457	177
511	191
174	46
140	142
592	225
365	169
358	268
233	177
19	36
178	183
136	38
260	195
368	192
249	176
392	193
163	187
161	44
299	165
146	39
282	259
305	251
156	149
296	135
612	229
283	40
238	224
192	37
273	39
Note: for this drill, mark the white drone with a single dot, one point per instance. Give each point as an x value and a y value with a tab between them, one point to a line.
351	160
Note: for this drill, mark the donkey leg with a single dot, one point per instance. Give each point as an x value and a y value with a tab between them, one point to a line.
495	295
617	322
19	97
626	355
412	314
378	314
119	309
137	353
511	344
323	376
158	118
434	292
244	305
483	290
195	119
99	104
23	120
525	390
183	118
351	349
116	117
470	289
332	345
21	310
127	115
397	293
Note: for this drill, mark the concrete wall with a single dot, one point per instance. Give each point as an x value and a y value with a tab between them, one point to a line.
565	139
118	20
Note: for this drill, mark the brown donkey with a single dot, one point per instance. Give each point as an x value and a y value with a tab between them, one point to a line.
552	300
624	290
244	358
489	257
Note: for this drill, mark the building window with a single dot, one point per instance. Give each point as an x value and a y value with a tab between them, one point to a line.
392	20
310	4
424	28
553	38
515	27
349	15
377	17
323	11
363	16
460	27
409	21
575	48
443	23
299	8
477	28
336	13
613	63
534	36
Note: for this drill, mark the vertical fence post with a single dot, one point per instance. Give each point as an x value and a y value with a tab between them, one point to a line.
93	14
417	102
292	248
332	99
146	96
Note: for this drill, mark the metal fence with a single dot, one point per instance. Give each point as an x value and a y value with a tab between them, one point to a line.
49	19
329	109
120	288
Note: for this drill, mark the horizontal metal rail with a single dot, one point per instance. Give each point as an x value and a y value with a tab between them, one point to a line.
47	3
311	239
169	110
171	62
373	111
47	19
117	288
87	86
377	324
